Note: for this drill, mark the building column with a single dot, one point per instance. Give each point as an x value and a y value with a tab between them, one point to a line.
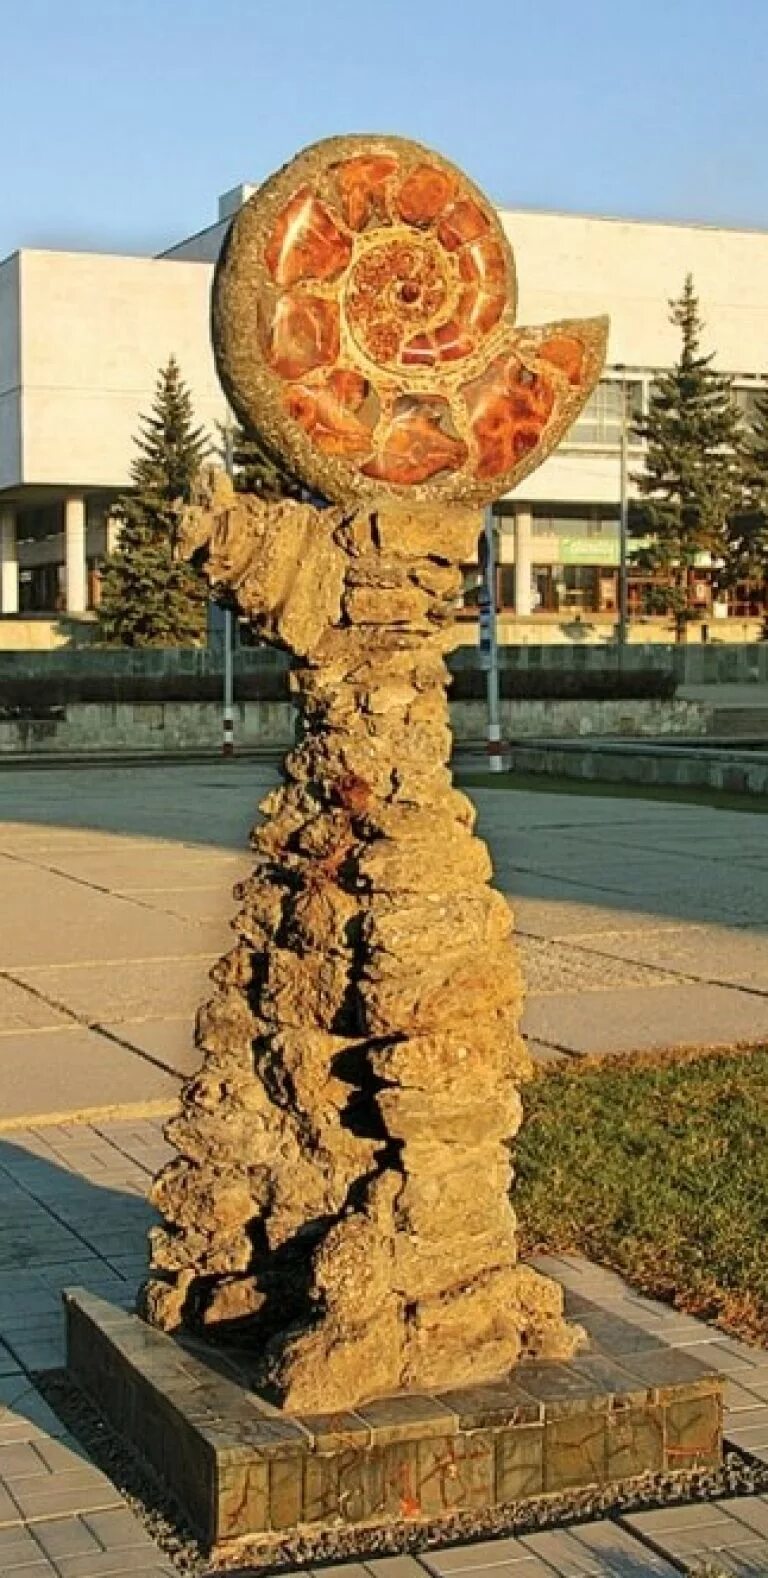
74	555
9	564
523	560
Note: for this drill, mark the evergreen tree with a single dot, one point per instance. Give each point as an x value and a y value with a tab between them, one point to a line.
150	597
690	485
747	553
254	469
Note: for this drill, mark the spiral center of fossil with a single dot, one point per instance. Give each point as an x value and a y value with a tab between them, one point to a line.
394	290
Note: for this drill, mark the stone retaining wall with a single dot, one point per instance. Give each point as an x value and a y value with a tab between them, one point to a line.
174	726
603	761
737	664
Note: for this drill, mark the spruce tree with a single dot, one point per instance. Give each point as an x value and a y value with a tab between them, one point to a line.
254	469
150	597
690	485
747	554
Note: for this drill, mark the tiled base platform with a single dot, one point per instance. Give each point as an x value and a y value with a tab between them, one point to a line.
627	1407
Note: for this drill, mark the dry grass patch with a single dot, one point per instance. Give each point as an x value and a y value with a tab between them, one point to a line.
659	1169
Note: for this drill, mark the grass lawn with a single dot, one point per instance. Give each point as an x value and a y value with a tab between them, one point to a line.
542	783
659	1170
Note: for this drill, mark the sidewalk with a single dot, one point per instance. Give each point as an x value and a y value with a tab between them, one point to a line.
641	924
74	1214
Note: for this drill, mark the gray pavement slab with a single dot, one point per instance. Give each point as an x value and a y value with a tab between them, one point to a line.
642	1020
151	988
76	1071
119	897
170	1040
715	954
21	1009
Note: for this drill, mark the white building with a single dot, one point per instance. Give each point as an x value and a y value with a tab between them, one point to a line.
83	335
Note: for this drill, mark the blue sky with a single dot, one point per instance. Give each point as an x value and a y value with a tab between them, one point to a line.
121	120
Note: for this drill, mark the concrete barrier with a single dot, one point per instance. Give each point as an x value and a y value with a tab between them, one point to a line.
178	726
738	664
638	763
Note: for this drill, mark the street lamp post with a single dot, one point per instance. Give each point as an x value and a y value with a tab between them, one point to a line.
495	749
622	629
228	716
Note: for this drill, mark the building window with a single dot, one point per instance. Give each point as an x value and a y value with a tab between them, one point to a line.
746	398
599	425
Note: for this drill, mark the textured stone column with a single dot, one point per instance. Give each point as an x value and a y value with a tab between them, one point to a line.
74	552
9	564
523	560
340	1199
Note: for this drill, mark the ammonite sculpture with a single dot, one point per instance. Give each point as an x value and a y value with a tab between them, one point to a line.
364	324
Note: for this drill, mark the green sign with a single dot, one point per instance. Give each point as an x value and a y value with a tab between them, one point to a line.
589	550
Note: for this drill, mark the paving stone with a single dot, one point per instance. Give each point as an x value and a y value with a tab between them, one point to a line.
9	1511
595	1549
24	1416
751	1510
395	1567
749	1561
65	1456
22	1009
70	1536
628	1020
21	1460
118	1529
20	1553
83	1071
485	1555
619	1552
114	1564
79	1491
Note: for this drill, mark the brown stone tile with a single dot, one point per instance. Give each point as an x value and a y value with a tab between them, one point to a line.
575	1450
335	1432
505	1404
337	1485
406	1418
694	1432
671	1369
286	1491
392	1475
321	1487
560	1388
241	1498
519	1462
457	1471
611	1377
635	1441
616	1337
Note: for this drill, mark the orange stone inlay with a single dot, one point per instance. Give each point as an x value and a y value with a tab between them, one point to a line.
414	446
478	310
349	387
509	407
419	352
424	194
482	263
306	242
304	333
363	187
567	353
329	422
464	222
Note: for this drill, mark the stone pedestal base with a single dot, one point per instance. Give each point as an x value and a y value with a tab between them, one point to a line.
242	1469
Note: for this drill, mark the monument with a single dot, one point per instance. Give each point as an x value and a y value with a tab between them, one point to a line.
337	1220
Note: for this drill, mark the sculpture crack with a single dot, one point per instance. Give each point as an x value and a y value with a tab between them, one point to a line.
340	1197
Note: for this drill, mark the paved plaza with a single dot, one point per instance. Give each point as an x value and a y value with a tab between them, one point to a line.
642	925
